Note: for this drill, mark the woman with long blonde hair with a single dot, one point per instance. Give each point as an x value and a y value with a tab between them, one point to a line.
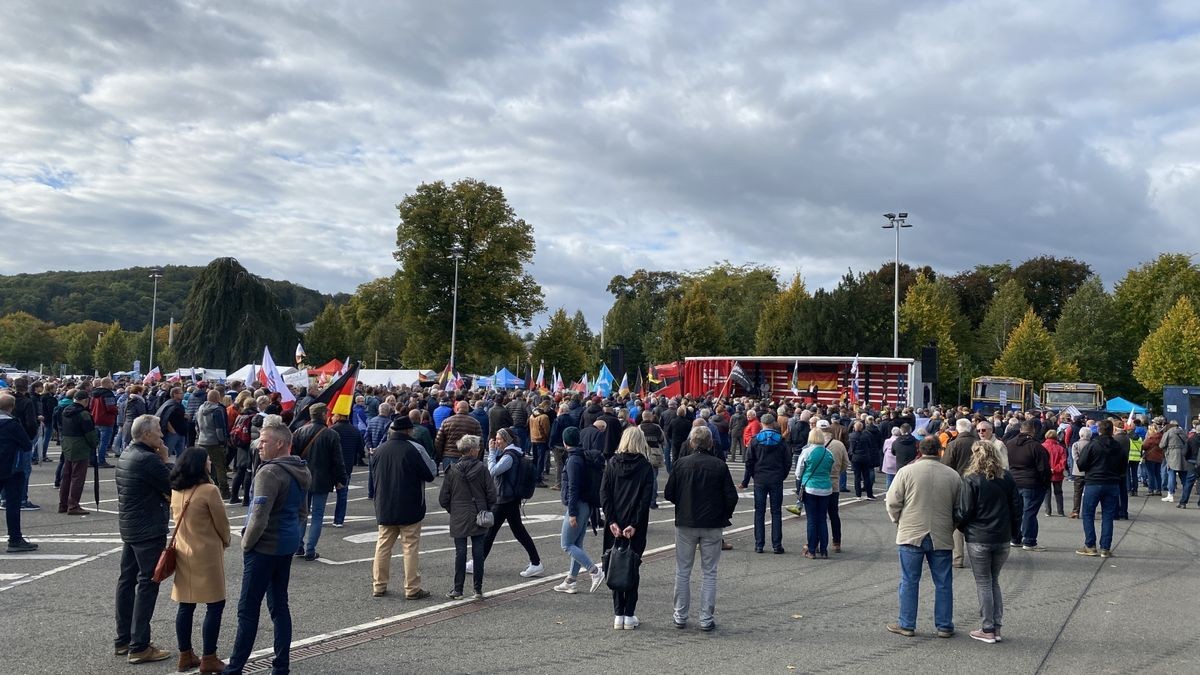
626	491
989	516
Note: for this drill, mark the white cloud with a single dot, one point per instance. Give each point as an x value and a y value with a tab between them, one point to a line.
660	135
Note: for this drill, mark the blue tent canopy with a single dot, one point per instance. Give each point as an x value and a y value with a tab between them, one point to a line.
1120	405
504	380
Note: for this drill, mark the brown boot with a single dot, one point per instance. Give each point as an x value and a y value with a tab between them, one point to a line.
187	661
211	664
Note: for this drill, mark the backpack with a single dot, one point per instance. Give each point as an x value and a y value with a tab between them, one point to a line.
525	482
240	436
593	462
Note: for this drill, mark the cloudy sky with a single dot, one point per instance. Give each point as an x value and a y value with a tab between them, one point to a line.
660	135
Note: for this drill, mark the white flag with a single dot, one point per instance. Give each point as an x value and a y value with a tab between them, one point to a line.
275	381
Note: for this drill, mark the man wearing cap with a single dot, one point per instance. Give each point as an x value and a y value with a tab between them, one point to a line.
320	446
402	468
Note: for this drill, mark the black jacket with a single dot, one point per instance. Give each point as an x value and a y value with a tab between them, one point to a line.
26	412
590	414
677	431
612	434
861	448
768	460
989	511
957	455
627	490
519	412
591	438
323	454
702	490
143	494
498	418
13	440
1102	461
1028	461
905	450
400	477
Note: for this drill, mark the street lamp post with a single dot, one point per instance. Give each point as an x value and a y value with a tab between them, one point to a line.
155	274
895	222
456	252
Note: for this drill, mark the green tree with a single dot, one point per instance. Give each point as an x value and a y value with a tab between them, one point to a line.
930	315
1030	354
557	346
691	327
327	338
738	295
637	316
496	292
25	341
1048	282
112	352
779	330
1085	336
79	352
1171	353
1003	315
1140	300
976	288
230	315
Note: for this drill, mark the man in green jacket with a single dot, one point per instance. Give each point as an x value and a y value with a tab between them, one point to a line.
79	442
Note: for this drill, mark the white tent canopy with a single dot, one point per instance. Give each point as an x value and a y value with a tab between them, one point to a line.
202	373
379	377
242	373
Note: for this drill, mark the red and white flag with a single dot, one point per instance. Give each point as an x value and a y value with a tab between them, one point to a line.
153	376
273	380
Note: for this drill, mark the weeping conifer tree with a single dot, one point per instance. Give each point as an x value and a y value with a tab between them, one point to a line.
229	316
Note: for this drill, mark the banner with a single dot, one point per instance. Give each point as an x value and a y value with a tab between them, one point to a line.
297	379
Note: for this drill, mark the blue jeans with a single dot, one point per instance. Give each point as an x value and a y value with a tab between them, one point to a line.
763	492
263	575
541	459
176	444
343	495
106	439
1033	498
943	583
667	456
316	518
1106	495
47	432
522	439
1188	478
890	477
1153	472
448	462
816	509
572	540
842	481
1131	476
1168	480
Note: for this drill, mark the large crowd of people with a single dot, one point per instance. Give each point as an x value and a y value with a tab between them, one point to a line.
963	488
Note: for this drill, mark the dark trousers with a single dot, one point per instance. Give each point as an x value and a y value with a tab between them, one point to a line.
835	520
625	602
541	459
71	487
12	505
1056	492
815	509
763	492
1029	525
1131	478
240	489
460	561
864	479
137	593
1123	497
560	460
511	513
1078	499
263	575
209	632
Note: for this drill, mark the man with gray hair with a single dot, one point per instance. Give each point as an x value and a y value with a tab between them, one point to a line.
377	432
705	497
957	456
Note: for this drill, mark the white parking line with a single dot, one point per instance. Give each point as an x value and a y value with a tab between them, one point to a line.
56	570
41	556
12	577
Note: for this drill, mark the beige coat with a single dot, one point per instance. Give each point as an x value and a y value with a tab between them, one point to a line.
200	545
841	461
921	502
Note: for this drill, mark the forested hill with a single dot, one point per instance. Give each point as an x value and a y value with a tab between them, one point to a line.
124	295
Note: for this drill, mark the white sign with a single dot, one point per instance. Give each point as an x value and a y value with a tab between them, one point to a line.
1072	411
1003	398
1172	408
297	379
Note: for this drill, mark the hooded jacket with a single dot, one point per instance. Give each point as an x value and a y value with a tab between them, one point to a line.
1103	461
768	459
103	407
627	490
1028	461
13	440
212	426
279	508
78	433
467	489
905	450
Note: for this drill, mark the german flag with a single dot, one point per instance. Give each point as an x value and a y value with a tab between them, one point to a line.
652	376
339	395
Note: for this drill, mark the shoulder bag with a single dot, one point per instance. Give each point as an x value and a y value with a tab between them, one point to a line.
483	517
166	560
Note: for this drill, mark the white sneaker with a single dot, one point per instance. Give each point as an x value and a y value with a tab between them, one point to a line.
470	566
597	579
618	623
532	570
1168	498
631	622
567	587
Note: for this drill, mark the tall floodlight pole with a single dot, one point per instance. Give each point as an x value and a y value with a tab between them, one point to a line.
155	274
895	222
456	252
